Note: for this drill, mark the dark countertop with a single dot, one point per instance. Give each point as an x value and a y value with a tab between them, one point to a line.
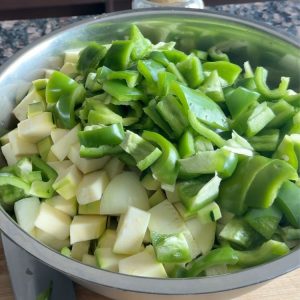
282	14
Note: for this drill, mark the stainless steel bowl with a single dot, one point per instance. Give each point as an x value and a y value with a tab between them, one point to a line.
243	40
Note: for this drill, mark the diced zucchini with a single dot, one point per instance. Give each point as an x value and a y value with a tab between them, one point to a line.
50	240
107	259
20	111
165	219
44	147
123	191
53	222
35	108
131	231
173	197
91	187
83	164
150	183
142	264
114	167
108	239
72	56
204	234
69	69
185	214
9	155
67	206
67	182
157	197
86	228
92	208
62	147
26	211
60	166
21	146
36	128
58	133
79	249
4	139
89	260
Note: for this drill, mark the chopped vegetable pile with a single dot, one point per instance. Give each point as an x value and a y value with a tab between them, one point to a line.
145	160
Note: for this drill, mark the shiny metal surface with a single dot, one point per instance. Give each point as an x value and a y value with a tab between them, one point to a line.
243	40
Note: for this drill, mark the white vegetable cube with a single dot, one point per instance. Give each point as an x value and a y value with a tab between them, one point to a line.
60	166
91	187
53	221
85	228
123	191
9	155
107	259
142	264
50	240
83	164
36	128
108	239
69	69
131	231
21	146
92	208
114	167
58	133
20	111
90	260
62	147
67	182
26	211
79	249
67	206
165	219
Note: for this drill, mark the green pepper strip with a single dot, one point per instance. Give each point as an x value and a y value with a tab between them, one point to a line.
283	113
87	152
90	58
118	55
109	135
267	182
266	140
265	253
290	233
216	54
172	112
150	69
142	151
186	146
220	256
212	87
141	45
260	78
121	91
164	83
205	109
166	168
288	200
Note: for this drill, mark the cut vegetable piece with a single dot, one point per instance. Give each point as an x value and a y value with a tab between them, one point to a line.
69	69
212	87
131	231
203	234
239	233
53	222
67	182
114	167
283	113
21	146
144	153
184	213
142	264
65	251
86	228
60	166
288	200
35	109
83	164
67	206
157	197
149	183
92	208
9	155
79	249
196	195
44	147
89	260
209	213
124	190
265	220
20	111
26	211
265	253
58	133
266	140
62	147
107	259
267	182
108	239
91	187
165	219
170	248
186	145
50	240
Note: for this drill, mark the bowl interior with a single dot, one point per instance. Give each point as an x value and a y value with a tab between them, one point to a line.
242	40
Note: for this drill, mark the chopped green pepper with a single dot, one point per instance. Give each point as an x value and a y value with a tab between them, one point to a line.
186	146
